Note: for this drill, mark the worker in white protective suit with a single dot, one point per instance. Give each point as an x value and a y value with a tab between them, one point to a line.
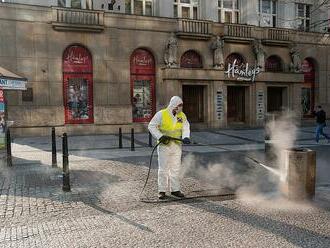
170	122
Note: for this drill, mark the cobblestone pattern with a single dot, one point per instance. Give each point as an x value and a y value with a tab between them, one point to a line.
103	210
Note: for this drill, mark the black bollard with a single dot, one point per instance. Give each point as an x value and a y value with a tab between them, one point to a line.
66	171
120	138
8	144
150	140
132	140
54	158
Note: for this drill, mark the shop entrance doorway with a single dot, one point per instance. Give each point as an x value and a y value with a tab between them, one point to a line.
275	98
193	102
236	104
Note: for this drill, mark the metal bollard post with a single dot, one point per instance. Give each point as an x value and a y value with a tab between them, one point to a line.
8	144
66	171
120	138
150	140
54	158
132	140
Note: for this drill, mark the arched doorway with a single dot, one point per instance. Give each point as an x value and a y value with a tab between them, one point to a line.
274	64
308	88
191	59
143	95
78	85
236	95
193	93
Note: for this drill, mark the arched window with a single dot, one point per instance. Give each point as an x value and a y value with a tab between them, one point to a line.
143	95
234	57
78	85
191	59
273	64
308	88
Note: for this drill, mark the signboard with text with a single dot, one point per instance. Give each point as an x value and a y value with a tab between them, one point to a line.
260	105
243	72
12	84
219	104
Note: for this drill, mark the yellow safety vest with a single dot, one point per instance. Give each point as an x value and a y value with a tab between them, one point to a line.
168	127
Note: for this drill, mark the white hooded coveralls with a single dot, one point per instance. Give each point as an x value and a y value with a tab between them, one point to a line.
169	156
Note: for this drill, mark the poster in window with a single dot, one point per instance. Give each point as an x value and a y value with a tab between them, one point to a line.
142	107
77	99
142	85
78	85
2	120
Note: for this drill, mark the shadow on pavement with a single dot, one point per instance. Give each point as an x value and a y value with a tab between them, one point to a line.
295	235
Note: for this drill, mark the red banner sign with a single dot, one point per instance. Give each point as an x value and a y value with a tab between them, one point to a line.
78	85
77	59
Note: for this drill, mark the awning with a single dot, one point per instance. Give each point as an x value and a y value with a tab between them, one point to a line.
11	81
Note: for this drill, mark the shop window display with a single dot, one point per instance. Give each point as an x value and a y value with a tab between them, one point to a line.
142	85
78	85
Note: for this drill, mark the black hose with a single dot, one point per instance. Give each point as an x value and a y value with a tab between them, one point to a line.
152	154
150	163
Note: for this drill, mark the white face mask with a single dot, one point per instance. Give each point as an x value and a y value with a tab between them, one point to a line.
179	109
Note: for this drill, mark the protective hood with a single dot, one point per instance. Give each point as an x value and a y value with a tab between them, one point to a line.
174	102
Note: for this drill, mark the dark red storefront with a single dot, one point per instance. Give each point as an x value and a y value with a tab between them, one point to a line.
78	85
143	85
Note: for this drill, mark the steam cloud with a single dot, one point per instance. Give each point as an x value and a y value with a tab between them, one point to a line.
257	186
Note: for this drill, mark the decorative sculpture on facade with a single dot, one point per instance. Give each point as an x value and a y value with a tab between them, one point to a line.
259	53
217	48
170	56
295	65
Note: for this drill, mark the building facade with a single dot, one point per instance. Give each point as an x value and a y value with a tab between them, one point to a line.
93	66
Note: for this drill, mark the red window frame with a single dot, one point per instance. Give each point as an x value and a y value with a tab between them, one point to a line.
142	64
77	63
308	68
68	117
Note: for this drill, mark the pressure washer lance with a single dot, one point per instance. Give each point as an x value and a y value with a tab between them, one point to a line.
200	144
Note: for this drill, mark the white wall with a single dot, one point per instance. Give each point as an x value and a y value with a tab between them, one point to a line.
164	8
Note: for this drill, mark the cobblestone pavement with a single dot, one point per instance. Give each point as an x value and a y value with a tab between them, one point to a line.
104	210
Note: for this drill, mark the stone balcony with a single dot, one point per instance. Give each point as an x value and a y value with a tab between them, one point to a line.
247	33
238	33
68	19
274	36
194	29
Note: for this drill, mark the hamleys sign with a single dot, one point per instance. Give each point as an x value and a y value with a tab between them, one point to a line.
242	72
